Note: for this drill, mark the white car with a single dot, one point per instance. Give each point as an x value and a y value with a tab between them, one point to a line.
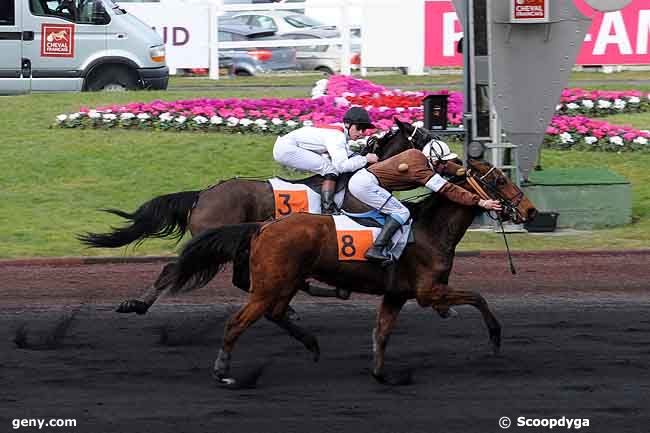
277	21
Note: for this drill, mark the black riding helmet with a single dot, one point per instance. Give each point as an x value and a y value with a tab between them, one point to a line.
358	116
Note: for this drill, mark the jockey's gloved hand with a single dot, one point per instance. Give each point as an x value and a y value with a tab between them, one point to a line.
490	204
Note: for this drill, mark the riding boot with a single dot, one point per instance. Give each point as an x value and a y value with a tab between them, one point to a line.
327	191
376	253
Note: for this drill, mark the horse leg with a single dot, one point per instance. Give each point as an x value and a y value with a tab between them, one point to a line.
281	317
236	325
451	297
386	319
152	293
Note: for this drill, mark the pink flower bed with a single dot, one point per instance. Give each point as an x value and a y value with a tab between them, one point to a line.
331	98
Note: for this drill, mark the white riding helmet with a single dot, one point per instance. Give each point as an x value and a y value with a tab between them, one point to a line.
436	149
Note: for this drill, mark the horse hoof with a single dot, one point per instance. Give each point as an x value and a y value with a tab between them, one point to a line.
495	343
228	382
132	306
379	377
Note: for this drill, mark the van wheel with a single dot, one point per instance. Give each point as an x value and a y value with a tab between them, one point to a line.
325	70
113	79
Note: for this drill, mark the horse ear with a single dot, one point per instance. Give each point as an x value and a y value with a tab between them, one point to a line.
399	123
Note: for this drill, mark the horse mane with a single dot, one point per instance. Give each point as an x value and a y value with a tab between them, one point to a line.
431	201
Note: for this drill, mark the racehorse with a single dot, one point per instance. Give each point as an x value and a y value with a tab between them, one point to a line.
232	201
284	253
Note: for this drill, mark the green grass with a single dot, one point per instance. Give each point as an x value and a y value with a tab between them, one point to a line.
54	180
451	77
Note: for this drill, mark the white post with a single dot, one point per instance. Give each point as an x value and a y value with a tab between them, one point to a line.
345	37
213	17
417	62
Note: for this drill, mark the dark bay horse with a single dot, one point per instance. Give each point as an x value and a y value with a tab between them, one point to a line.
284	253
232	201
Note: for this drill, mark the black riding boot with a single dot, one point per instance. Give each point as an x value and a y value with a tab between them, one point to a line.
327	191
376	253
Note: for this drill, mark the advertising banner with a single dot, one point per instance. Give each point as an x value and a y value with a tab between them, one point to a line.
615	38
185	31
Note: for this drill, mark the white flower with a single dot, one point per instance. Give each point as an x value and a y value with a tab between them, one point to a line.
307	123
399	109
641	140
558	107
143	116
616	140
418	124
588	103
383	108
61	118
619	104
566	137
232	121
216	120
634	100
260	122
245	122
572	106
602	103
181	119
200	120
109	117
276	121
590	140
93	114
341	101
127	116
166	117
74	116
291	123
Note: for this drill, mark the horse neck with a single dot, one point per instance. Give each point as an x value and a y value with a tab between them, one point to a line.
442	222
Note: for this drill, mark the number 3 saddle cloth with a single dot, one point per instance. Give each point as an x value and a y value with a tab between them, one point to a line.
297	197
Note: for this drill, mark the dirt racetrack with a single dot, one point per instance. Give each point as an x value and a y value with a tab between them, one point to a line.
576	344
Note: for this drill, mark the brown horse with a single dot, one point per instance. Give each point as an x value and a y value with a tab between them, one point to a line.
232	201
284	253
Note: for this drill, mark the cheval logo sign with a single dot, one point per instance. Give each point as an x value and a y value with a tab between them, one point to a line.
57	40
529	10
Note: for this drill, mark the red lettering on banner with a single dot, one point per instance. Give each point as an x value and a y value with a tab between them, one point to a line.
57	40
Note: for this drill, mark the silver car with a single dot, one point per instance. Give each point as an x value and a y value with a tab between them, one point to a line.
323	58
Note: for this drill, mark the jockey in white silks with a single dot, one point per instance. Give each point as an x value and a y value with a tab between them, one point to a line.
324	150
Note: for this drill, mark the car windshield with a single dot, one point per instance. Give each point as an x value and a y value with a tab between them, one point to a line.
302	21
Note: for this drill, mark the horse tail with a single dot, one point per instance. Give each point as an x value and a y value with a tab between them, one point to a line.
165	216
206	254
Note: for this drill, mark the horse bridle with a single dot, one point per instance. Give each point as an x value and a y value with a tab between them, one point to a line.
488	189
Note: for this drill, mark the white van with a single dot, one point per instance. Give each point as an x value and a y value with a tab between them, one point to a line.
59	45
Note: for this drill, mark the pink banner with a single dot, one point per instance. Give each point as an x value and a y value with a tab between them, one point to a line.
615	38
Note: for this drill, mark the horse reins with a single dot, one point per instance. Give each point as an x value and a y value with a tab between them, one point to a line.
479	186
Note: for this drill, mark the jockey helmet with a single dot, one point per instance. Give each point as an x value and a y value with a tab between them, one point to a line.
438	150
358	116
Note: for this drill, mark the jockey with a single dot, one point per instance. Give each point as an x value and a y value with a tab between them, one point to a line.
407	170
323	149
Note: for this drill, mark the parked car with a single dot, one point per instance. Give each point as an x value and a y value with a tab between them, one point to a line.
251	61
323	58
278	21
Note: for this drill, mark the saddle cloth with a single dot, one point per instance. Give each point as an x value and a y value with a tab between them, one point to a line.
297	197
354	239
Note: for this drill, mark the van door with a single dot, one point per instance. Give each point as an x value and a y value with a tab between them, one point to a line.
68	35
11	80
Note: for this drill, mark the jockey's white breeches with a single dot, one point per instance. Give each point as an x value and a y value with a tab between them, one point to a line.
287	153
365	186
